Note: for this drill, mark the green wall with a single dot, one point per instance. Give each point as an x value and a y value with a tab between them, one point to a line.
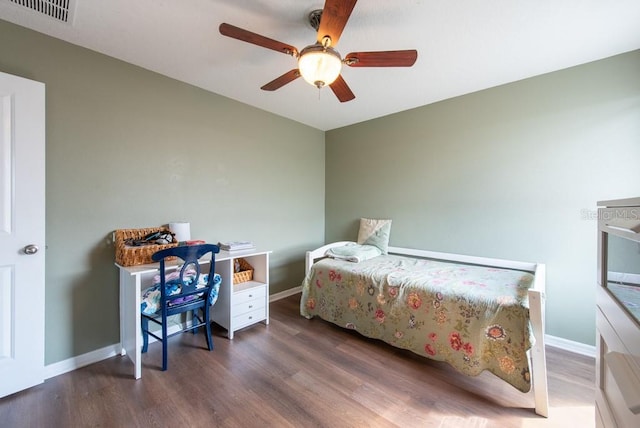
127	148
510	172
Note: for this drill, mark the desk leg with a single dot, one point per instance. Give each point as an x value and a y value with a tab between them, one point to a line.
130	336
122	301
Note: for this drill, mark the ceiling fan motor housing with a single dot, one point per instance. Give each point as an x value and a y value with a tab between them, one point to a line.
314	18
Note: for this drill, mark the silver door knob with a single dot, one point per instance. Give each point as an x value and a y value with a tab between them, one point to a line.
30	249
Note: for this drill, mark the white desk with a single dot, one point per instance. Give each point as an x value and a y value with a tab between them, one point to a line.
238	306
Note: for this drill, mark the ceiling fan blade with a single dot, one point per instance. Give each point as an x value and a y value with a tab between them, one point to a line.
279	82
334	17
382	59
342	90
256	39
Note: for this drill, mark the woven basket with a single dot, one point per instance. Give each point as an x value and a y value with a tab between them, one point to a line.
246	272
130	256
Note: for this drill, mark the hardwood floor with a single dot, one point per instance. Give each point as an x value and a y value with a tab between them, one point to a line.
296	373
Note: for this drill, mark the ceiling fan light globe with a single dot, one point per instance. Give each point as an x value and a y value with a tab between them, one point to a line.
319	66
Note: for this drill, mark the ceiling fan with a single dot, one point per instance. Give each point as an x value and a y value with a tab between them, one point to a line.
319	63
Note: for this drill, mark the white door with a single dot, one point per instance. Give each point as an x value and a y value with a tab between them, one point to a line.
22	238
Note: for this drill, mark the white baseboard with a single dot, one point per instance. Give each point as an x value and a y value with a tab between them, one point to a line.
65	366
570	345
74	363
285	293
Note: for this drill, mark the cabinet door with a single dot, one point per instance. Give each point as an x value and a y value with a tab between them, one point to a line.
618	367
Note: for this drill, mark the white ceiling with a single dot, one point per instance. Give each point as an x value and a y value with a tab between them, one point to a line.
463	46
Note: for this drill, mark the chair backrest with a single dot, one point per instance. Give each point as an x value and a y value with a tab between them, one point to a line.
188	278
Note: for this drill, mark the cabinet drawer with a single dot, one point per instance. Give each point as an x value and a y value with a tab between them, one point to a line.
618	400
250	294
248	306
249	318
617	370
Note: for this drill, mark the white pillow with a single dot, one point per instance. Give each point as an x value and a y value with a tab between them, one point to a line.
354	252
375	232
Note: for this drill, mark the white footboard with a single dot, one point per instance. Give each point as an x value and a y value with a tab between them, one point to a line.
536	306
537	352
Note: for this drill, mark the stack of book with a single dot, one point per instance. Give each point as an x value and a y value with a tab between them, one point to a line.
236	246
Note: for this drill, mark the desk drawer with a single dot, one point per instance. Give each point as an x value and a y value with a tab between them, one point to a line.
249	318
248	306
254	293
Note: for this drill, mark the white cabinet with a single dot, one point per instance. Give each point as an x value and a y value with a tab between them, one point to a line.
618	315
244	304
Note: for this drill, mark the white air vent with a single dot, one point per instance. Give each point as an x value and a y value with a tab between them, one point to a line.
56	9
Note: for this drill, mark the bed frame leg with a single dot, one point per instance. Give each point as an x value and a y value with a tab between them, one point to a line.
538	357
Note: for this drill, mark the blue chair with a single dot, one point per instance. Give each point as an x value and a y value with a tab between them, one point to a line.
181	290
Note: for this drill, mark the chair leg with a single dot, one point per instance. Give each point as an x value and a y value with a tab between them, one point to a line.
209	338
165	339
207	327
145	334
194	318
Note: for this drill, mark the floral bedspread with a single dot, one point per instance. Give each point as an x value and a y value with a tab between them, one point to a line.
473	317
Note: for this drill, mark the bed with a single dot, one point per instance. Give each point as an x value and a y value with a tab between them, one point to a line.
474	313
